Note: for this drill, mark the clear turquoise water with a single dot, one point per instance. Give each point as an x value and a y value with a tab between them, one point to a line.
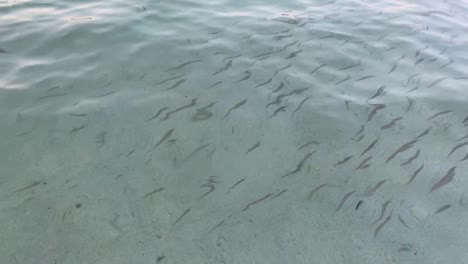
233	132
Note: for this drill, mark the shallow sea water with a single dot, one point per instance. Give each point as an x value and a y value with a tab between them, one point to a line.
233	132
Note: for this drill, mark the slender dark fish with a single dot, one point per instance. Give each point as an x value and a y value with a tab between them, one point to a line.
363	164
153	192
300	165
253	147
446	179
315	190
170	79
393	68
346	159
457	147
238	182
382	212
424	133
343	80
403	222
197	150
371	145
181	216
224	68
176	84
415	174
279	194
465	158
166	136
406	146
318	68
436	82
350	66
215	84
302	102
183	65
410	104
379	92
345	197
375	188
281	86
411	77
34	184
265	83
279	109
447	64
383	223
313	142
192	103
440	113
256	202
377	107
247	76
418	61
294	54
360	131
415	156
158	113
285	47
391	123
241	103
365	78
358	205
443	208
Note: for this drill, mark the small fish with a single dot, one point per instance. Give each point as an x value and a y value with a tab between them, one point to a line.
446	179
371	145
345	197
102	95
383	223
382	212
231	57
160	258
282	37
281	86
379	92
183	65
413	89
375	188
419	51
377	107
280	109
360	138
315	190
197	150
256	202
415	174
447	64
153	192
253	147
280	97
302	102
457	147
34	184
215	84
443	208
465	120
350	66
436	82
300	165
192	103
343	80
224	68
176	84
410	104
358	205
170	79
415	156
365	78
157	114
238	182
393	68
346	159
363	164
465	158
76	129
166	136
424	133
405	147
418	61
440	113
3	50
294	54
313	142
360	131
391	123
241	103
318	68
411	77
389	49
265	83
264	54
279	194
403	222
181	216
247	76
78	115
286	46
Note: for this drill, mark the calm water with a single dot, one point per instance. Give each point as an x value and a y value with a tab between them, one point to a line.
233	132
